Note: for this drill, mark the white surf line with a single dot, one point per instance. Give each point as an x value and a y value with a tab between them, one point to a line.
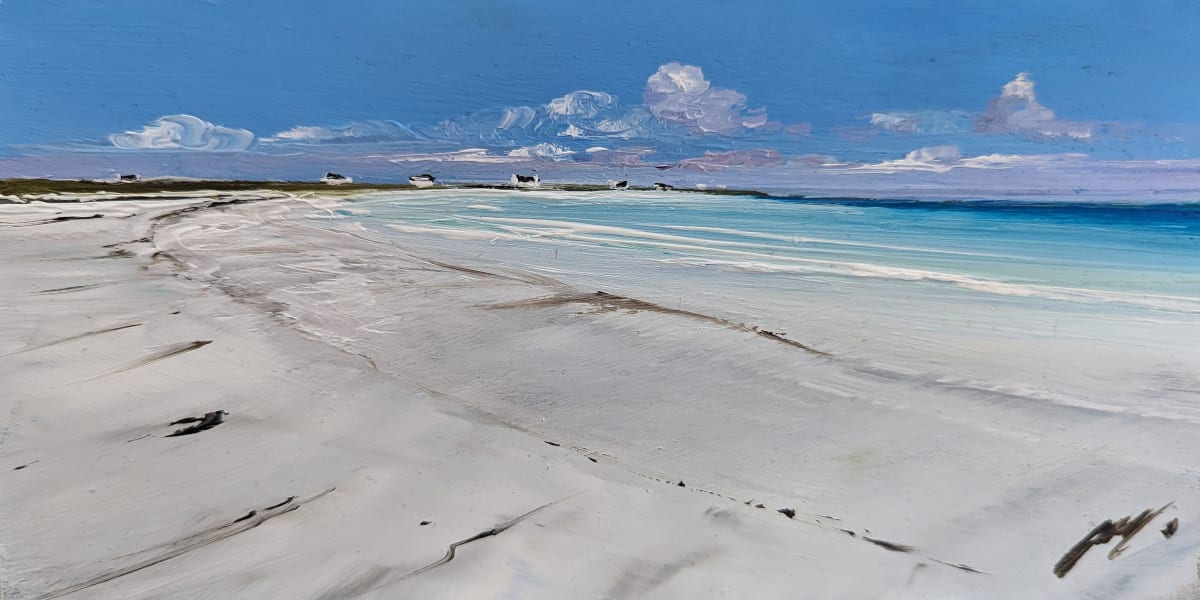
802	239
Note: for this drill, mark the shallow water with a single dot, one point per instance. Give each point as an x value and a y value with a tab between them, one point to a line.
1140	254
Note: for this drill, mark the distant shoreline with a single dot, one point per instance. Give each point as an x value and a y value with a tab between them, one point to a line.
20	190
32	187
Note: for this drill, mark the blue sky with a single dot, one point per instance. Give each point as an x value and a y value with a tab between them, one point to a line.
864	81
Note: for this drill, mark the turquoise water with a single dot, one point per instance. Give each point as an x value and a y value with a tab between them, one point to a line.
1114	252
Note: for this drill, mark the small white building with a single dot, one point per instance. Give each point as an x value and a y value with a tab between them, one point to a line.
423	180
335	179
525	181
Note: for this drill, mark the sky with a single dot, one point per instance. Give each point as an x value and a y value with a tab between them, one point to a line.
923	86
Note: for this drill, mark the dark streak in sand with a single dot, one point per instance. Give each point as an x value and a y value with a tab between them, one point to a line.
144	240
57	220
467	270
606	302
1125	528
198	540
497	530
75	337
160	355
894	547
960	567
75	288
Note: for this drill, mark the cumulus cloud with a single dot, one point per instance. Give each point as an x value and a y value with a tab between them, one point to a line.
1017	111
679	94
923	121
583	103
678	100
588	114
183	132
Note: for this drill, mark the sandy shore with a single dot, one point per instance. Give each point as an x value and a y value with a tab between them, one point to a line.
494	433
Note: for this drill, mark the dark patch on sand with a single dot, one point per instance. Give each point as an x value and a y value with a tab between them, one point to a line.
247	516
1125	528
208	421
1171	527
787	512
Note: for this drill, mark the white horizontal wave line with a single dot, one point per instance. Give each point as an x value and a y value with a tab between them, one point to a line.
806	239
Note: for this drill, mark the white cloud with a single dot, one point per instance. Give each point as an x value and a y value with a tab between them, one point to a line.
357	131
680	94
572	130
1017	111
583	103
937	159
1004	161
543	150
923	121
183	132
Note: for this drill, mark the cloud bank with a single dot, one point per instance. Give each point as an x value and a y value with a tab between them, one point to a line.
183	132
940	159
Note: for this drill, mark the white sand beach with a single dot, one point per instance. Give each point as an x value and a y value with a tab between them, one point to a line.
415	416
